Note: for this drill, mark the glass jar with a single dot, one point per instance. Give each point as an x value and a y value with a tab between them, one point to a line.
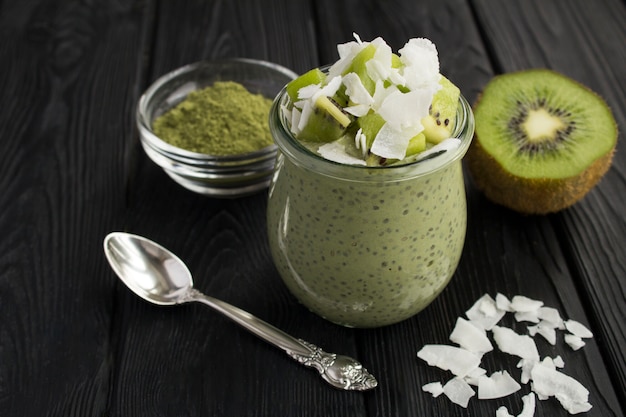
366	246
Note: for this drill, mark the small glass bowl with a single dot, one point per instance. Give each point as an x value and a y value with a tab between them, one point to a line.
213	175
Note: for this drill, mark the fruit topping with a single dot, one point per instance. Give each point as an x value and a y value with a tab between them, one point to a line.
388	106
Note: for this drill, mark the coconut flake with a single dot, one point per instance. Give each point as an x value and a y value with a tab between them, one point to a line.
530	316
528	409
498	385
335	151
575	342
406	110
458	391
307	110
503	412
390	143
515	344
558	361
449	358
550	315
309	91
356	90
527	366
421	60
578	329
474	375
484	312
523	304
329	89
546	330
470	337
434	388
568	391
502	302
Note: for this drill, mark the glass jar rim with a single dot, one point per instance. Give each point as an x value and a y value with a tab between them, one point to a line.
301	155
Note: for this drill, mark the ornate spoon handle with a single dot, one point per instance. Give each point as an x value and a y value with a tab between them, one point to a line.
338	370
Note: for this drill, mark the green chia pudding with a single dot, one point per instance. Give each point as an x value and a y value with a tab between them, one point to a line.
364	239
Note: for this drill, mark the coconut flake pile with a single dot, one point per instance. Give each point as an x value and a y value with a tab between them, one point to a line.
472	337
402	111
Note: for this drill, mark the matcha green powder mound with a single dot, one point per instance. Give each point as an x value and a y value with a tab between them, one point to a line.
223	119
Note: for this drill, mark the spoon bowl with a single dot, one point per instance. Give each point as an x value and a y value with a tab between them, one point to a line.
160	277
148	269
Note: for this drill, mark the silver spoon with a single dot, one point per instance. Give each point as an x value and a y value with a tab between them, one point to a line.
157	275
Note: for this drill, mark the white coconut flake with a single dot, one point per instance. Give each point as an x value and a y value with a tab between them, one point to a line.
544	329
574	341
390	143
503	412
515	344
434	388
470	337
550	315
335	151
474	375
530	316
329	89
347	51
578	329
498	385
356	90
449	358
558	362
568	391
502	302
307	110
308	91
484	312
528	409
520	303
526	366
420	57
406	110
358	110
458	391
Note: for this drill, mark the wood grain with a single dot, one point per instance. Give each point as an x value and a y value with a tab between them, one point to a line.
63	128
557	35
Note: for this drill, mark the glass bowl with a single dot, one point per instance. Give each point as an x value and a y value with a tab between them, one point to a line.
213	175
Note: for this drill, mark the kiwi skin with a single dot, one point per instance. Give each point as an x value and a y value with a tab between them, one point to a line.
536	196
531	196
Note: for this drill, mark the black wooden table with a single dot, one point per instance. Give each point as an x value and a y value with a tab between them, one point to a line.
75	342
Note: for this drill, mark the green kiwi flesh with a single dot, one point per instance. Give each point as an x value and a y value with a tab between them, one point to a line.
440	122
542	141
327	121
314	76
359	68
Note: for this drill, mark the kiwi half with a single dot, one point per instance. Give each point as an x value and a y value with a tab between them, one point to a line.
542	141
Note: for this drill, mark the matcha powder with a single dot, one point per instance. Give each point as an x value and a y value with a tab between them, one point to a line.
223	119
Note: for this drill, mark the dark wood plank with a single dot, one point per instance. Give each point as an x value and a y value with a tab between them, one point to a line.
67	68
570	37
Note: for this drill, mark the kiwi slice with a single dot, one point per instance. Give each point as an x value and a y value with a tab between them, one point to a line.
542	141
358	66
314	76
327	121
371	124
440	122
